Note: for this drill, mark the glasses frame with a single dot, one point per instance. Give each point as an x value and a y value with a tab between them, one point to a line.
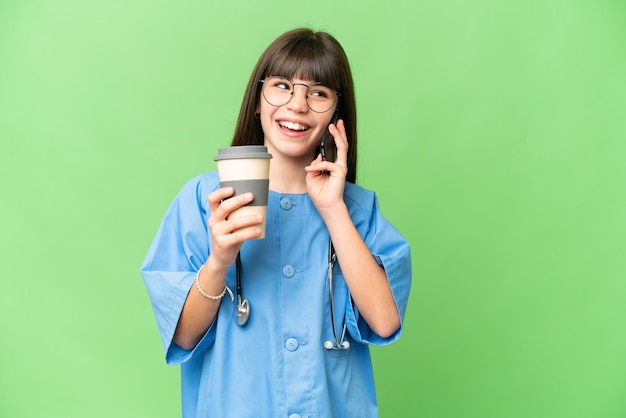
306	96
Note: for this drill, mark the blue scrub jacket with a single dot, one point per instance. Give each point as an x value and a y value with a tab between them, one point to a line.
276	365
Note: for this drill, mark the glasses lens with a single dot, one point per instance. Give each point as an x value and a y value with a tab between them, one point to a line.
278	91
320	98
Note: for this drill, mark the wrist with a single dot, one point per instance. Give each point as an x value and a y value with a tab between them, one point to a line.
212	275
334	214
216	267
217	297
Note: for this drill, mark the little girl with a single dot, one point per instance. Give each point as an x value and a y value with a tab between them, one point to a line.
331	277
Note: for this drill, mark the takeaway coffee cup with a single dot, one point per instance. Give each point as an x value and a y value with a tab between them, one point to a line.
246	168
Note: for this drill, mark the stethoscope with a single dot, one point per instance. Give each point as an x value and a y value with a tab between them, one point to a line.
243	305
242	313
339	344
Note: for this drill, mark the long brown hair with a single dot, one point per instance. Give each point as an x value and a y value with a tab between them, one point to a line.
308	55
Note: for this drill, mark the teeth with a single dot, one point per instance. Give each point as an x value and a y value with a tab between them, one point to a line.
293	126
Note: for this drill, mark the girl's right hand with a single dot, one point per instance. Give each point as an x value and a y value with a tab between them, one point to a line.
227	234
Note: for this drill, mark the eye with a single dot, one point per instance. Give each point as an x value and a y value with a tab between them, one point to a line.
280	83
320	92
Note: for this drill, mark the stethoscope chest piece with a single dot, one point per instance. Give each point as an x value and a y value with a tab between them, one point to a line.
243	311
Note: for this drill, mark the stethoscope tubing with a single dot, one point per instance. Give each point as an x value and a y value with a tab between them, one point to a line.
340	344
243	306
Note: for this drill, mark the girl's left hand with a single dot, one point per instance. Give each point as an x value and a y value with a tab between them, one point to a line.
325	180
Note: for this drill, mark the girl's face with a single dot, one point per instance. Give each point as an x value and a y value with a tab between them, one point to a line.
293	130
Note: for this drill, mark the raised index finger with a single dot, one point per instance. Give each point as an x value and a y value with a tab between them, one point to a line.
338	131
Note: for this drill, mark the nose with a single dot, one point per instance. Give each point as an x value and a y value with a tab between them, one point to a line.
298	102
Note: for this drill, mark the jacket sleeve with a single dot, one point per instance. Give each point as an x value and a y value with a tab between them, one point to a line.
180	247
392	252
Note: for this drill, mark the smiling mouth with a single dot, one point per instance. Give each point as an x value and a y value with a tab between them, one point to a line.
293	126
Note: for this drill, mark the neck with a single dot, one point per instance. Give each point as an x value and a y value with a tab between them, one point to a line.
287	175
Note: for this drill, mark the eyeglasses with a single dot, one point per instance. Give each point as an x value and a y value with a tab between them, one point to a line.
278	91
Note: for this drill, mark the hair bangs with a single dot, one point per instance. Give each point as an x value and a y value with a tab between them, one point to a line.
306	61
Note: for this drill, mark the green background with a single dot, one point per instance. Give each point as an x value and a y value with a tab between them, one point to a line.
493	132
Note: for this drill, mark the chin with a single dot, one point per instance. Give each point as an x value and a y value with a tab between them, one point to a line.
292	150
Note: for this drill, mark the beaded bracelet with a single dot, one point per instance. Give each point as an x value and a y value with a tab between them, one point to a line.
206	295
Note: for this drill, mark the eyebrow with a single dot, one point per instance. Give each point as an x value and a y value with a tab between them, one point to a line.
292	82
